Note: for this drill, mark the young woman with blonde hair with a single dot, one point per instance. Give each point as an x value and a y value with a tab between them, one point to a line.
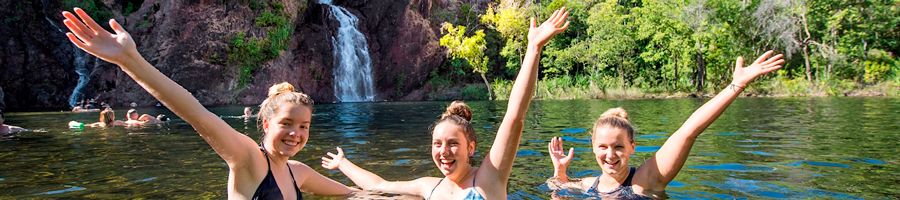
257	171
612	140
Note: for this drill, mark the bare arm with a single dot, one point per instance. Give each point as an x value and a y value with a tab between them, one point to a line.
503	152
559	158
120	49
371	181
316	183
665	165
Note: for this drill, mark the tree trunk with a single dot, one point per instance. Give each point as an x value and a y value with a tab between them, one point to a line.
700	74
488	85
806	48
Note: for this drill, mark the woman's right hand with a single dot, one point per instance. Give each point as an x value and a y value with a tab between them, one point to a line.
89	36
335	161
557	155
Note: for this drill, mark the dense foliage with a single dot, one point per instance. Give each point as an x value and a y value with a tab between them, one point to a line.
689	46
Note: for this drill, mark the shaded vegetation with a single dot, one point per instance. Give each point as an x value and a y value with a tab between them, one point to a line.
248	52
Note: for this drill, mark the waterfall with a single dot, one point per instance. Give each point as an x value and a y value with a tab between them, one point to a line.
80	61
84	76
81	68
353	66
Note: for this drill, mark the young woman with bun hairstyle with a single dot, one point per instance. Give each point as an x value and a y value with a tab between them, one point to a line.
453	139
612	140
256	171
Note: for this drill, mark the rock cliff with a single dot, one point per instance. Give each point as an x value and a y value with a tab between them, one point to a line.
188	41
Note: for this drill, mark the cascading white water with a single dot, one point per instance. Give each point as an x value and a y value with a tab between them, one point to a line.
80	62
353	66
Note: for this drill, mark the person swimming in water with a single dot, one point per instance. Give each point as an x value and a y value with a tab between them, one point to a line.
135	119
256	171
7	130
453	139
107	119
612	140
248	113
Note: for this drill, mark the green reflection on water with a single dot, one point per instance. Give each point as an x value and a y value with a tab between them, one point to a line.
759	148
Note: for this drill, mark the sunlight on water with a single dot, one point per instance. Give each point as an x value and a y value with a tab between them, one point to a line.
761	148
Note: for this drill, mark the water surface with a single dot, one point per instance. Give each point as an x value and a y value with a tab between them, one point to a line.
837	148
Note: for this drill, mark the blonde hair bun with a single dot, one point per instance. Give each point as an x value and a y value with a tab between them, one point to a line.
280	88
460	109
615	112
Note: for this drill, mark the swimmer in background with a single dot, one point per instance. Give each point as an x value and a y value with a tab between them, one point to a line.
8	130
107	119
248	113
135	119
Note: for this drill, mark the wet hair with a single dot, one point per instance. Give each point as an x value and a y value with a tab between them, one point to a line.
458	113
107	116
615	118
279	94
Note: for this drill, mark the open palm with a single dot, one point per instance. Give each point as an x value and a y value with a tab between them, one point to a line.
90	37
558	153
762	65
335	161
554	25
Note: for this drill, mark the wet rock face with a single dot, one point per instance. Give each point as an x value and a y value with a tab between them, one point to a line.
35	69
188	42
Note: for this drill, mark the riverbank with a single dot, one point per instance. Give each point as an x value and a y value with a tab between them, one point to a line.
573	88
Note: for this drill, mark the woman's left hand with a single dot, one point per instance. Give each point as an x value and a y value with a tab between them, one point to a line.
764	64
335	161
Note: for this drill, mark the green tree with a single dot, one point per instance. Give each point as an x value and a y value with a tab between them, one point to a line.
471	49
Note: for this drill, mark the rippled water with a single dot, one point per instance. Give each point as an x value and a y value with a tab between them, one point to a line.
839	148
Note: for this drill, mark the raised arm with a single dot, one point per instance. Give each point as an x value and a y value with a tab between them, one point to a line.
120	49
503	152
665	165
371	181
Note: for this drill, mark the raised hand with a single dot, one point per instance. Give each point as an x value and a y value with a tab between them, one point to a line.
540	35
558	156
335	161
90	37
764	64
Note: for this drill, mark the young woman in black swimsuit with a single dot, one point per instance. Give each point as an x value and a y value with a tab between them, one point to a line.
612	141
257	171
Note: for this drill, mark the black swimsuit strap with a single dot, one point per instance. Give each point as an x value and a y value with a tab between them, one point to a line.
294	181
296	188
630	175
627	181
267	157
435	187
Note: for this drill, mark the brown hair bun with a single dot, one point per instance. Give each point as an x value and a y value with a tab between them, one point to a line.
460	109
280	88
616	112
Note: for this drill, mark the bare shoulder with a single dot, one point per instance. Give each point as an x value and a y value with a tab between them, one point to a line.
297	165
645	178
586	182
427	180
301	171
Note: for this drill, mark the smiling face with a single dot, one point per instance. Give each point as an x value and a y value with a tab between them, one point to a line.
450	149
612	148
287	131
